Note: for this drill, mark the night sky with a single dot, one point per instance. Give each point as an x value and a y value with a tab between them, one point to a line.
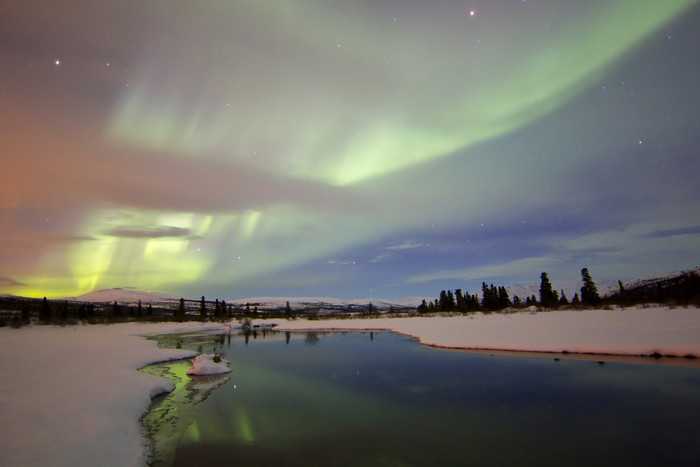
376	148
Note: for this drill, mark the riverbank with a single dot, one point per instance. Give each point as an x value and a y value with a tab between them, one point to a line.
630	332
73	395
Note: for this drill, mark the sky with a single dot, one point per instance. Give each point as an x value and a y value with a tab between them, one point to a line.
376	148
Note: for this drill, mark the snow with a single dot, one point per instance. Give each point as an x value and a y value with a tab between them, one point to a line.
205	365
73	395
124	296
631	331
302	302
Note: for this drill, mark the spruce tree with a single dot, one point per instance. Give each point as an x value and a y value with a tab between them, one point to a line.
202	309
589	292
547	297
288	311
180	313
423	307
623	296
563	300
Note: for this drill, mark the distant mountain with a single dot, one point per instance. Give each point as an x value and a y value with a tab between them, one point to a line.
125	297
570	286
326	302
131	297
652	280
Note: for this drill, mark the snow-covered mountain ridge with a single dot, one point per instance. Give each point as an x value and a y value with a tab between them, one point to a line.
570	286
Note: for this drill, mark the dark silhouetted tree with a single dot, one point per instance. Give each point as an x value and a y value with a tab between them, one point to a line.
503	298
202	309
589	292
288	311
623	295
180	312
423	307
563	300
45	310
548	298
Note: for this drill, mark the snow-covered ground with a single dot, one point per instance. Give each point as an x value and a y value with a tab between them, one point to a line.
73	395
630	331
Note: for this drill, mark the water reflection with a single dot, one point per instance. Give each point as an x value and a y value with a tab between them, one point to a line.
380	398
171	414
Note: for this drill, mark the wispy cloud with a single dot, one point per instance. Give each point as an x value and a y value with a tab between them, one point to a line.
405	246
149	232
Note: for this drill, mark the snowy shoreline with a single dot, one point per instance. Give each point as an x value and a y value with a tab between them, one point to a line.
630	332
73	395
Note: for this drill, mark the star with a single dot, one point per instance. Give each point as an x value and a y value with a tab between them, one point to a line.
57	62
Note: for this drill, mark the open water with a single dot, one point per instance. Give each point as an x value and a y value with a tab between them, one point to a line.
365	398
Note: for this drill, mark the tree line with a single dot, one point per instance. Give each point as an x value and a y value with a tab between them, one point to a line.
497	298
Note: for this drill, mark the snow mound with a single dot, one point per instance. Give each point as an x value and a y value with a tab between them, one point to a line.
205	365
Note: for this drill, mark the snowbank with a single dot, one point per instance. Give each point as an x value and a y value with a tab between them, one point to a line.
206	365
631	331
72	396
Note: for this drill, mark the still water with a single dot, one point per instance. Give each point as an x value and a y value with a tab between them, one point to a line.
383	399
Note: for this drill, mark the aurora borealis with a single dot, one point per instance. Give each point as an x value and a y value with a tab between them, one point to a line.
345	148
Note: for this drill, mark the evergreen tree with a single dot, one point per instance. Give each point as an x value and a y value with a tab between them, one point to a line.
45	310
423	307
503	298
139	310
461	301
442	306
548	298
180	312
575	300
589	292
563	300
217	309
623	296
516	301
116	310
202	309
288	311
149	311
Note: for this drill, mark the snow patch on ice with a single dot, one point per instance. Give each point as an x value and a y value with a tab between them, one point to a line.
206	364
